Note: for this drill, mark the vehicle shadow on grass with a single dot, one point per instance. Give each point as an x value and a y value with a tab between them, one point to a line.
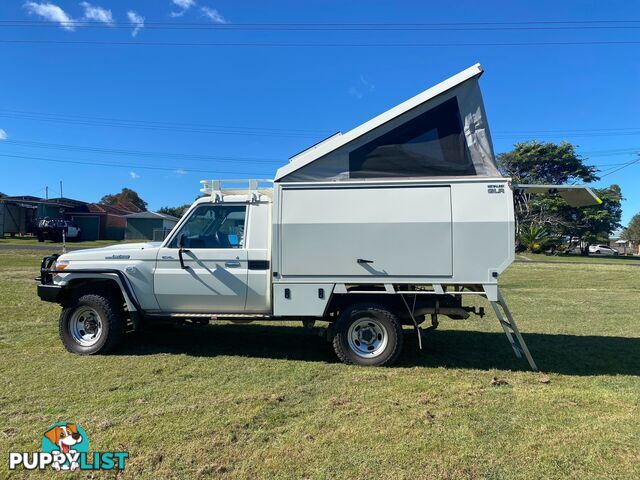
565	354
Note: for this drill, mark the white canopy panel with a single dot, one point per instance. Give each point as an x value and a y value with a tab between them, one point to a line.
442	131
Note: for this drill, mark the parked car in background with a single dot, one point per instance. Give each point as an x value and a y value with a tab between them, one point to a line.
602	250
53	228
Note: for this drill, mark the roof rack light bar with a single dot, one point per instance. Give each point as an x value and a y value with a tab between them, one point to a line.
253	187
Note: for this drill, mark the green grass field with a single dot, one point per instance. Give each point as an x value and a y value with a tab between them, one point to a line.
31	241
574	258
255	401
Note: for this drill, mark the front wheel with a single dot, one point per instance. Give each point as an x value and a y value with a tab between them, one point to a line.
92	324
367	335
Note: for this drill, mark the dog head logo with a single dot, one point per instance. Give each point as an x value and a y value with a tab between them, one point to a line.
64	436
67	439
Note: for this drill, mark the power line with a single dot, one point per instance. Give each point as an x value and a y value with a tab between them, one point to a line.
138	153
199	157
153	122
347	24
191	170
637	160
165	126
122	165
268	131
314	27
569	134
316	45
586	130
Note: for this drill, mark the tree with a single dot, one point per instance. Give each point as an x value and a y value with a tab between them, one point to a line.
632	232
126	195
175	211
534	238
587	225
549	163
3	195
536	162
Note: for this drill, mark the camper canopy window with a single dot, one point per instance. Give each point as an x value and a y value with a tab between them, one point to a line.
430	145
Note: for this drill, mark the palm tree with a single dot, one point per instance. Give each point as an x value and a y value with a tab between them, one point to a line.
533	237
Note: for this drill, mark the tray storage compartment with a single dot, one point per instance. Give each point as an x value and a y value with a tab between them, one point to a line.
366	231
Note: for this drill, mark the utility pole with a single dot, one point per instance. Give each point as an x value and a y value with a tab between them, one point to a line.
60	189
46	193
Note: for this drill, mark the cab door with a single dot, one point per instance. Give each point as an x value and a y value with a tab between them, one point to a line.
204	267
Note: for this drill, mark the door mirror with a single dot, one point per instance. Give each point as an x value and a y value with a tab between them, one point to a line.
181	240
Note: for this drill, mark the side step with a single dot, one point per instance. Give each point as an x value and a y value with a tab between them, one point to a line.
219	316
511	330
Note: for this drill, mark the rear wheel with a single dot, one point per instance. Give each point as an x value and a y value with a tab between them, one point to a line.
367	335
92	324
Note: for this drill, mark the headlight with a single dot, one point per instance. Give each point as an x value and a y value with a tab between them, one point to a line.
61	264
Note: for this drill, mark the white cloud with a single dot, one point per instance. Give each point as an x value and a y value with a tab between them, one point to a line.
362	88
3	134
96	13
354	92
137	20
134	175
367	84
183	5
213	15
51	13
180	171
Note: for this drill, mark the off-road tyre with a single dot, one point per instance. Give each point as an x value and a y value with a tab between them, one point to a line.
386	322
112	319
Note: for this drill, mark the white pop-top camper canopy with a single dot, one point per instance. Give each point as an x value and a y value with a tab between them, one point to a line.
442	131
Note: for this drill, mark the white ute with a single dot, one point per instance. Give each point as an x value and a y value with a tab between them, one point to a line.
388	225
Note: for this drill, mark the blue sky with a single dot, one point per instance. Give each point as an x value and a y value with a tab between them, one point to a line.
240	111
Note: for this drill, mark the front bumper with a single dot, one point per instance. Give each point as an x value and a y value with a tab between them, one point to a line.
50	293
47	290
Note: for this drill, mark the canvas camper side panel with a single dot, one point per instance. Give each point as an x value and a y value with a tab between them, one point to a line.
394	231
445	136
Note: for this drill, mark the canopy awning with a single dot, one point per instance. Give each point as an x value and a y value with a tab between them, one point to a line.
574	195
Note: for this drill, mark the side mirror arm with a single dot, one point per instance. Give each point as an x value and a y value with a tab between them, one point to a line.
180	251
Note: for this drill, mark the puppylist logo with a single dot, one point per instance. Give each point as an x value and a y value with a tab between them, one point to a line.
65	447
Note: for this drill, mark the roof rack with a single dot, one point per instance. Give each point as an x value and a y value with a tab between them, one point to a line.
253	188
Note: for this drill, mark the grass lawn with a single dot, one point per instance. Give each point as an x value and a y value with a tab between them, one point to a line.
28	241
543	257
255	401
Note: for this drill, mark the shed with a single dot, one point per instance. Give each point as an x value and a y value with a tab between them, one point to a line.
15	217
89	226
149	226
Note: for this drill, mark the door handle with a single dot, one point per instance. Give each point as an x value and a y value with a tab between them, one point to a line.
232	264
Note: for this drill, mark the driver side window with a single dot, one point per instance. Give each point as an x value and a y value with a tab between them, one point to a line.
213	226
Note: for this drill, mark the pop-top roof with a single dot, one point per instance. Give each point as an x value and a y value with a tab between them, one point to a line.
442	131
